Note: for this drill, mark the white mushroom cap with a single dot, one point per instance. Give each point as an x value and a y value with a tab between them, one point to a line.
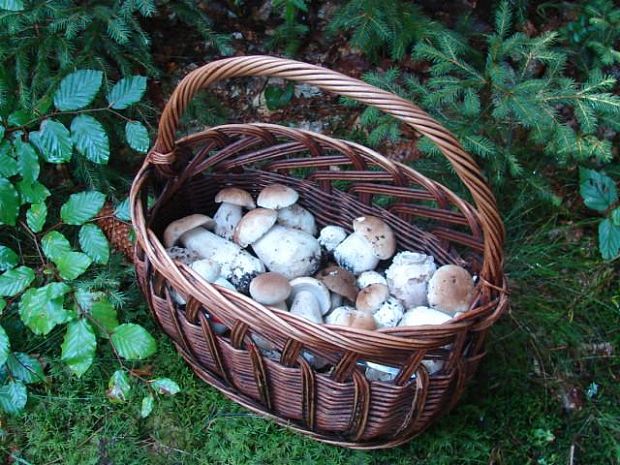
277	196
389	314
351	317
254	225
451	289
372	297
207	269
378	233
315	287
420	316
370	277
235	196
408	276
179	227
297	217
270	288
330	236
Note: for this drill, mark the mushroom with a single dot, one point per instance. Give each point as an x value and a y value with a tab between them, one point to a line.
340	282
408	277
451	289
371	298
389	314
232	201
370	277
351	317
206	269
277	196
378	372
290	252
372	240
309	299
271	289
297	217
330	236
182	254
238	266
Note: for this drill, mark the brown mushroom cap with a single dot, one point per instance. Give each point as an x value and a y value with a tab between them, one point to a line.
277	196
254	225
179	227
270	288
451	289
378	233
372	297
235	196
339	281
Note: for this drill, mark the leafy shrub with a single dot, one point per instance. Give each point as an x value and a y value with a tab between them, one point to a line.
291	33
59	277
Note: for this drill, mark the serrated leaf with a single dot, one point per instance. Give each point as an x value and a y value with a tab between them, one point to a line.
14	281
104	314
118	387
13	397
77	89
9	202
147	406
5	346
126	92
133	342
615	216
32	191
20	117
137	136
72	265
53	141
8	258
609	239
12	5
90	139
122	210
165	386
597	190
27	160
55	245
82	207
94	243
42	309
8	164
25	368
36	216
78	346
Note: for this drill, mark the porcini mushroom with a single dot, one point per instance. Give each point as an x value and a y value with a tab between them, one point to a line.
271	289
370	277
351	317
389	314
451	289
297	217
339	281
232	200
408	276
182	254
372	240
277	196
178	227
309	299
330	236
371	298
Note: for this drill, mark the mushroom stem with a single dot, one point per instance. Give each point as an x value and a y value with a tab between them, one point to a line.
306	306
226	218
355	254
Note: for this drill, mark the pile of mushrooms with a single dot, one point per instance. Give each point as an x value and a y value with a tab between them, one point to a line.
270	250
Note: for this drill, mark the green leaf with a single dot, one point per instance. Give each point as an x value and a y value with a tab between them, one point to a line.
615	216
20	117
8	258
2	305
36	216
90	139
94	243
165	386
609	239
77	90
278	97
104	314
126	92
27	160
147	406
78	347
14	281
9	202
32	191
137	136
25	368
122	210
82	207
597	189
5	346
12	5
72	265
118	387
53	141
42	309
8	164
55	245
13	397
133	342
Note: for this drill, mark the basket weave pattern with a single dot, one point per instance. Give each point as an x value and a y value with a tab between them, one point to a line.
338	181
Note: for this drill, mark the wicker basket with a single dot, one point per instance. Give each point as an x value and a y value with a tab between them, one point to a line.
337	180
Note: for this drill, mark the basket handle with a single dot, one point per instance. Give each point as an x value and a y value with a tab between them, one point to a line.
466	168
